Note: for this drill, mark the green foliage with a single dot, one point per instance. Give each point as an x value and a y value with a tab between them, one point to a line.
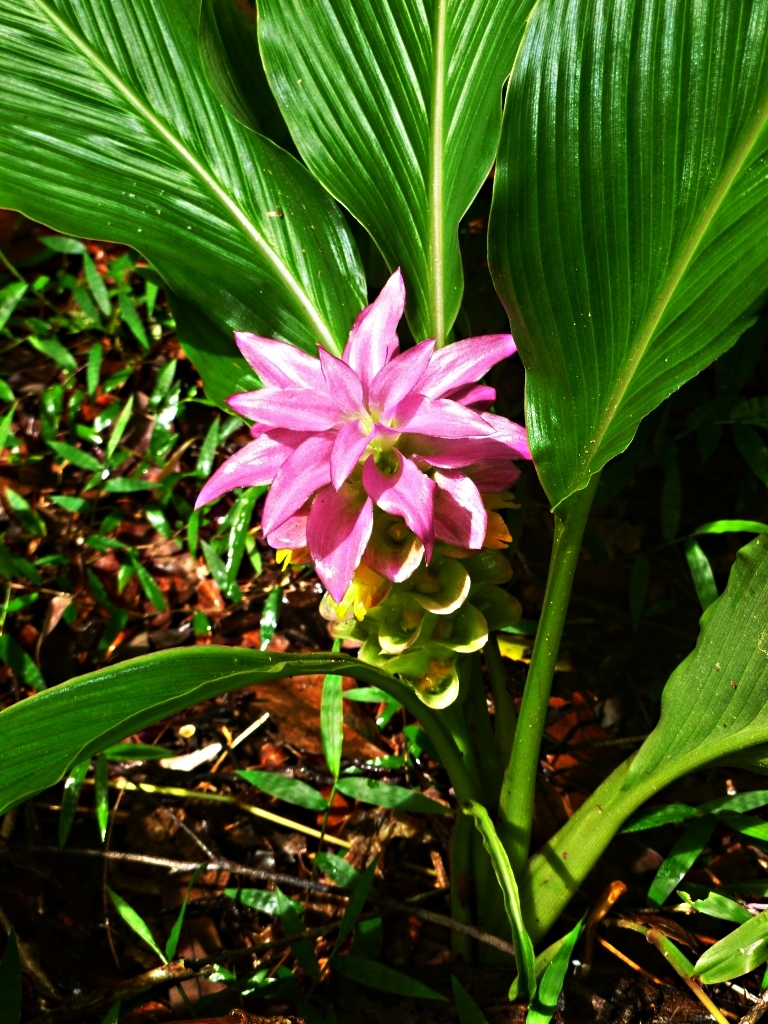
10	982
620	297
135	922
467	1009
385	979
738	953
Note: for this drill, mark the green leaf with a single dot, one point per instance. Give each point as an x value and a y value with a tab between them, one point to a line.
101	795
737	804
367	694
293	791
340	871
98	289
332	723
385	979
544	1004
6	395
385	794
524	957
24	512
70	503
219	572
738	953
113	1014
73	785
670	814
10	297
410	112
701	571
10	982
681	858
269	617
5	425
127	485
118	430
240	522
719	906
230	55
53	349
173	939
152	592
732	526
356	903
44	735
20	663
135	922
714	709
264	900
92	369
186	184
629	212
79	458
467	1009
132	318
136	752
59	243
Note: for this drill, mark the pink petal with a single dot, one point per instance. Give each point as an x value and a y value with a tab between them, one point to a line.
373	338
407	492
439	417
465	362
338	529
292	408
492	476
512	434
307	470
254	465
279	364
342	382
460	516
476	396
292	534
351	441
454	453
399	378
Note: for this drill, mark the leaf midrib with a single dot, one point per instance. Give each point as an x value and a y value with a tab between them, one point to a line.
435	198
208	180
645	337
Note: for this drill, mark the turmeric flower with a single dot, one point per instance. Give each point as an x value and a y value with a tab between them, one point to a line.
374	456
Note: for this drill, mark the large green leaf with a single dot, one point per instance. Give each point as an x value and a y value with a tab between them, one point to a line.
110	130
630	211
396	108
714	707
45	735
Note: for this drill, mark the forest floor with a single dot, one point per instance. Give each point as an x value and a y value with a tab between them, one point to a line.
105	440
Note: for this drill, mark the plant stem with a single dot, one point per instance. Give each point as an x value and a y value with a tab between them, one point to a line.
489	763
506	716
10	267
684	968
461	885
518	788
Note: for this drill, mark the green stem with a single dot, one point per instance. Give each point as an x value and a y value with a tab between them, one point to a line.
680	963
461	885
505	714
489	763
10	267
518	788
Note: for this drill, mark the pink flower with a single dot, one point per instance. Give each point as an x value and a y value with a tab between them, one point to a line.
347	443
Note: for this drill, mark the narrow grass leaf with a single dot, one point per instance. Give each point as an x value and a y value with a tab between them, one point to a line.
681	858
367	694
332	723
132	319
386	979
93	369
136	752
747	824
204	465
53	349
20	663
135	922
263	900
385	794
269	617
738	953
302	949
24	512
242	513
739	803
5	425
506	877
219	572
127	485
716	905
79	458
466	1008
340	871
701	572
753	450
356	903
10	297
152	592
670	814
113	1014
73	785
732	526
10	982
97	286
292	791
101	795
173	939
551	985
70	503
6	394
118	430
60	243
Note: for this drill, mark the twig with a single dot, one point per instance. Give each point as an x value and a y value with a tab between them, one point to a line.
29	963
756	1011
